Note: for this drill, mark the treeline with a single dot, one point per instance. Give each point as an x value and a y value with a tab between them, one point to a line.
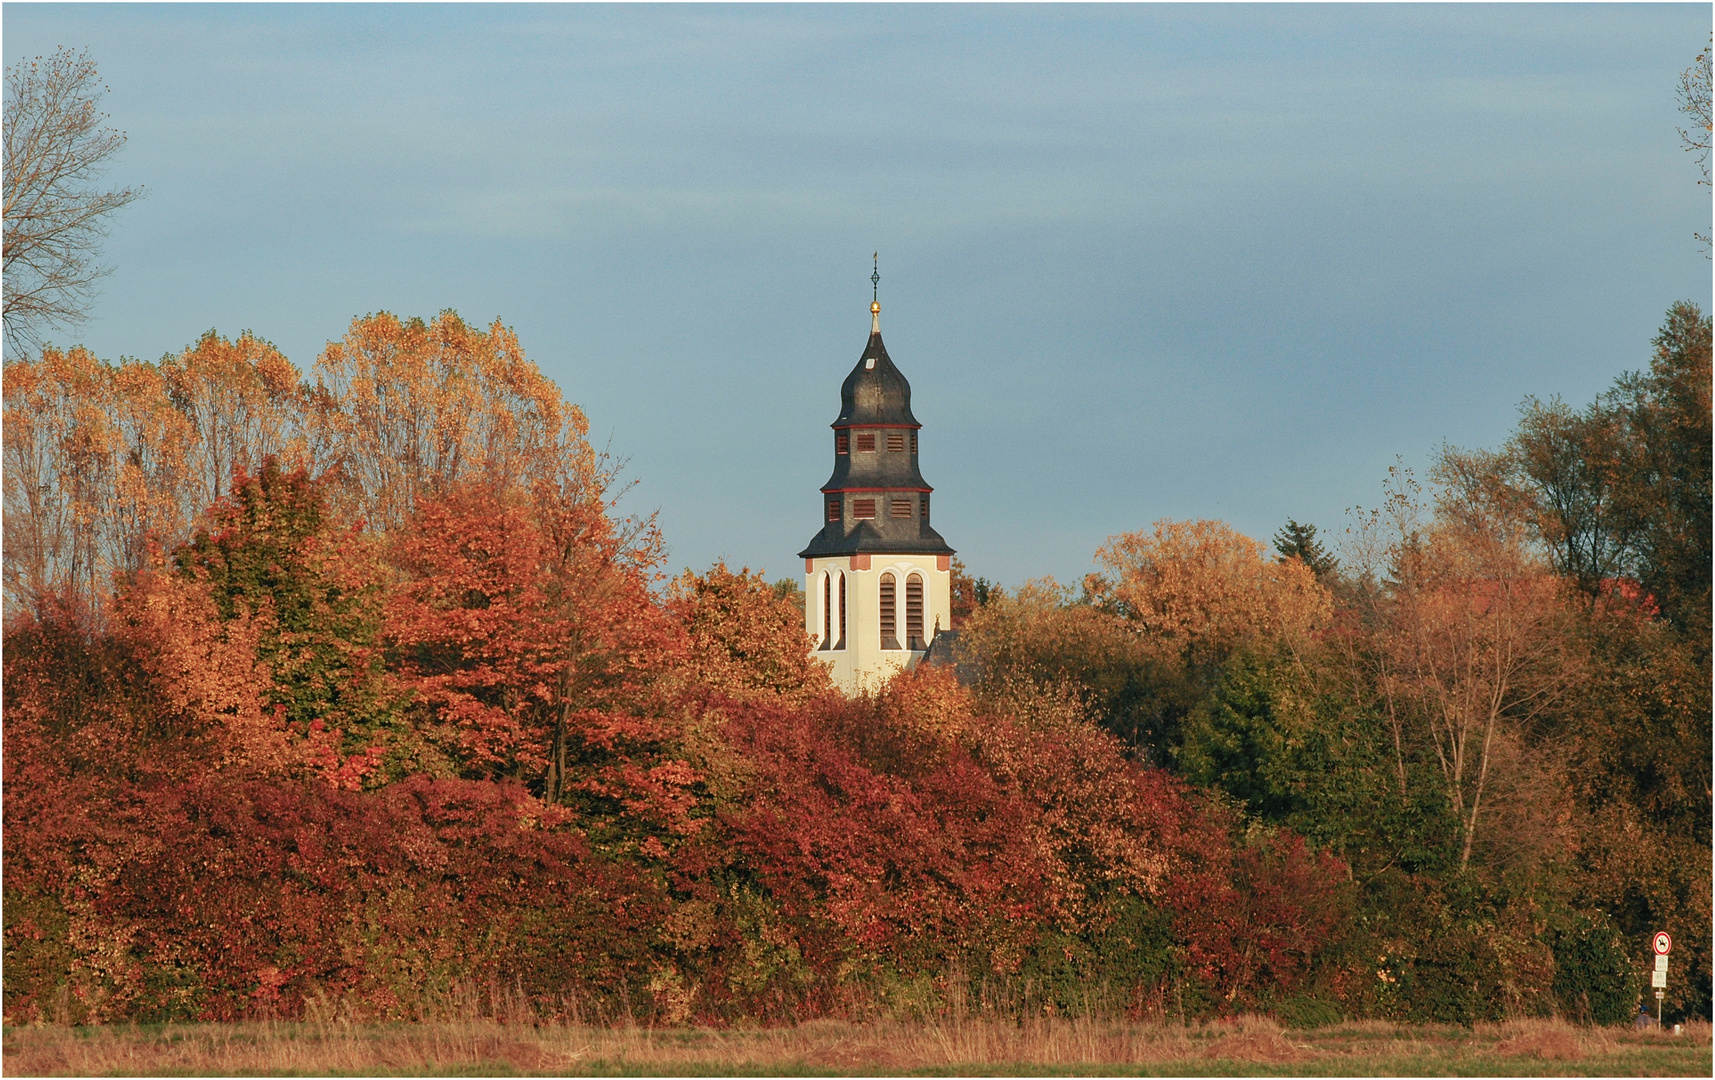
351	695
1494	708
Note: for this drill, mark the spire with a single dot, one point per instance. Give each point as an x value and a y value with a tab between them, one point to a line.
874	296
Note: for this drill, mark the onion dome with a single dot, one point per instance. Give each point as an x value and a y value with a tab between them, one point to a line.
876	501
875	392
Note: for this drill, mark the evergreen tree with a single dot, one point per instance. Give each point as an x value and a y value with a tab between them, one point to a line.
1299	541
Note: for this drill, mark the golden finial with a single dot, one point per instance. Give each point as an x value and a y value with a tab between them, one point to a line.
874	296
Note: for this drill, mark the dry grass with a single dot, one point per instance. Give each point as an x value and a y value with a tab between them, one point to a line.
1249	1045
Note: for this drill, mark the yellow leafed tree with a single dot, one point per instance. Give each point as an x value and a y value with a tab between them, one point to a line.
403	410
242	400
1206	589
97	464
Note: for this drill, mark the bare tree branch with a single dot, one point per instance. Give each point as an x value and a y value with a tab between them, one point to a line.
55	210
1694	103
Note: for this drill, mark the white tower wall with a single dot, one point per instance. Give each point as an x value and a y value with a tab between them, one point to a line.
862	664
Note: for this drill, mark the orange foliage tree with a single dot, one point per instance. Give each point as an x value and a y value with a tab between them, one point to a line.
743	639
242	401
271	556
96	461
527	630
406	410
1478	632
1205	589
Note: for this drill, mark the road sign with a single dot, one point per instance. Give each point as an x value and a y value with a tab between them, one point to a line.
1661	963
1663	943
1658	979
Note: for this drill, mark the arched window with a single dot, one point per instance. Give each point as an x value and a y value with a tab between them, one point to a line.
840	643
914	613
889	624
827	610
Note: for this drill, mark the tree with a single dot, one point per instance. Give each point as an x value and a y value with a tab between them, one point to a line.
745	639
56	210
242	399
98	465
530	638
1668	412
413	409
1575	463
1694	98
1038	636
1478	636
311	590
1622	489
1205	589
1297	541
968	593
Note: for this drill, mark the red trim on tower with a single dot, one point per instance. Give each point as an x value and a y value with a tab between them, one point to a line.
834	491
848	427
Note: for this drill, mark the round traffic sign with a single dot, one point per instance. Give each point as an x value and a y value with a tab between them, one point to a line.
1663	943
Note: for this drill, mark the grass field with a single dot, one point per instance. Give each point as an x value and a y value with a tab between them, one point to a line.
1246	1047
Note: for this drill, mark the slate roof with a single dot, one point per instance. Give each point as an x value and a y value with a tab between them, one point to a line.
875	392
904	537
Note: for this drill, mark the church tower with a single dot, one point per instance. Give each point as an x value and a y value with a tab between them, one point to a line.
877	578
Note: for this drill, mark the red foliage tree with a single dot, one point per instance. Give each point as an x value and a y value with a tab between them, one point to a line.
529	635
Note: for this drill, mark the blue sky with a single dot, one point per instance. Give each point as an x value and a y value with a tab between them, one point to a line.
1137	261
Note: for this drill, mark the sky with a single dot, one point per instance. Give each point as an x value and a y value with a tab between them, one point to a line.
1138	262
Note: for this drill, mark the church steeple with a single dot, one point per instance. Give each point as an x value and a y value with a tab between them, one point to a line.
876	499
877	576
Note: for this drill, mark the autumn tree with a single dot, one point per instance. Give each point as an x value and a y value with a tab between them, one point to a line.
104	459
56	210
968	593
1478	633
743	638
1042	636
1638	775
270	555
1622	488
242	400
97	462
409	410
1203	589
527	631
1196	591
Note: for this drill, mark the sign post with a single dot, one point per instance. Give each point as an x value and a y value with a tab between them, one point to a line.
1663	944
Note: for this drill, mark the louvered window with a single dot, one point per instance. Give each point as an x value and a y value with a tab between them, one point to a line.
842	442
913	442
863	509
914	613
899	508
889	639
866	442
896	442
925	505
833	509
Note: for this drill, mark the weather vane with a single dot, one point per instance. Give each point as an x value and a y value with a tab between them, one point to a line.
875	279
